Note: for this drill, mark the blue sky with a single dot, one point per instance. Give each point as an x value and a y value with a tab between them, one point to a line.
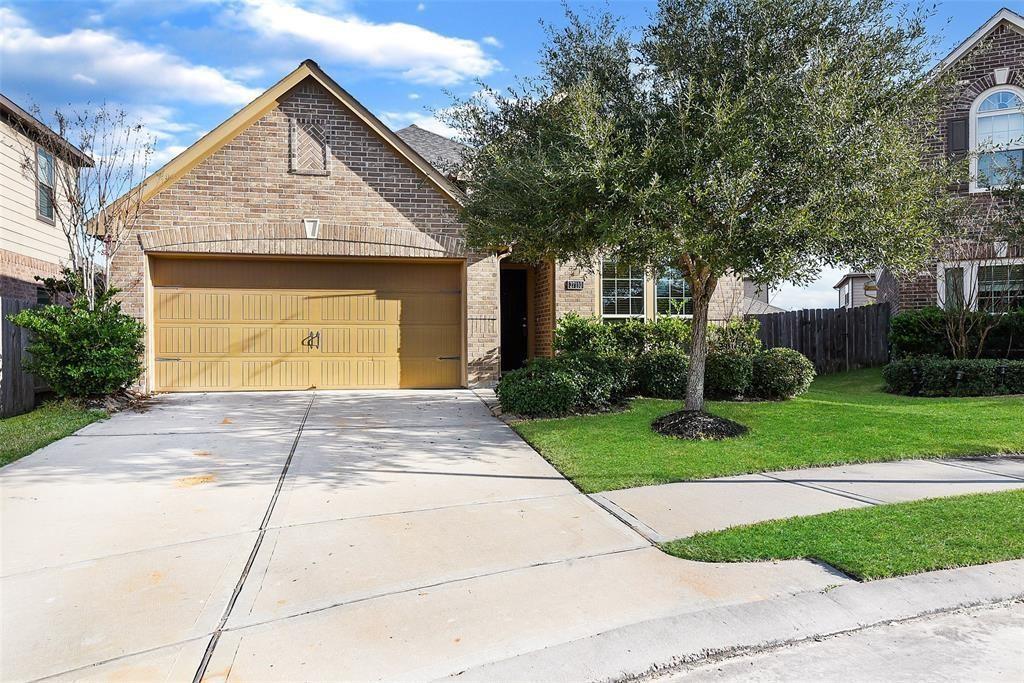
183	66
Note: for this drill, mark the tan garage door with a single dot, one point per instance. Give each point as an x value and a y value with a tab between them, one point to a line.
254	325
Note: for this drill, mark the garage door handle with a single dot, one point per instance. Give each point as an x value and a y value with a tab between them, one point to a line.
162	359
449	357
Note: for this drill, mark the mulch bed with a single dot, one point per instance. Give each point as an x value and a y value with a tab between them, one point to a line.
697	425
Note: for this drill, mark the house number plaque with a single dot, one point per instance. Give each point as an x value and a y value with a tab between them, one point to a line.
574	285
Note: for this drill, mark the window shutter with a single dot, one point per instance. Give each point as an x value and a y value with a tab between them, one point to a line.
958	142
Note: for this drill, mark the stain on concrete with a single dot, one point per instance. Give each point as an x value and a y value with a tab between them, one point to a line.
195	480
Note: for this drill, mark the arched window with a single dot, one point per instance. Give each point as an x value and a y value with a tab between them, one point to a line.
997	124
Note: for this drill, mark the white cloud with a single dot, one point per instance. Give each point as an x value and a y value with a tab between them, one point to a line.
414	96
818	294
401	119
82	78
164	154
417	54
421	7
109	60
492	41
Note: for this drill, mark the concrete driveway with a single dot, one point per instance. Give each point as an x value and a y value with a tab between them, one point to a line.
330	536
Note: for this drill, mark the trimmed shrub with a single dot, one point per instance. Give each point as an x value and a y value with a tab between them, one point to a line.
661	373
728	374
934	376
781	374
545	387
737	336
922	332
668	332
576	334
81	353
603	379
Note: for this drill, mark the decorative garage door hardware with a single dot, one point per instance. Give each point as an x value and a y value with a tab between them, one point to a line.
312	341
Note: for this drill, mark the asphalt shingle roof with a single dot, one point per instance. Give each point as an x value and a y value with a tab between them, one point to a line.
443	153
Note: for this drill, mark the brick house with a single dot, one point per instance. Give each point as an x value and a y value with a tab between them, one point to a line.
302	243
32	242
983	118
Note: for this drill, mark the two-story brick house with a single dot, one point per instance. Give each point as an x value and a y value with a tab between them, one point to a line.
302	243
984	120
32	162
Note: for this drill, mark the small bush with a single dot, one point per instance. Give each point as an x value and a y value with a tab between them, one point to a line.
728	374
934	376
661	373
544	388
781	374
668	332
604	379
81	353
576	334
737	336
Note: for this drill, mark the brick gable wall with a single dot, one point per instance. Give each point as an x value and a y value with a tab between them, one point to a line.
246	185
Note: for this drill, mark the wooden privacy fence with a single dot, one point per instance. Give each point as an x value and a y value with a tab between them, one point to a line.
835	339
17	388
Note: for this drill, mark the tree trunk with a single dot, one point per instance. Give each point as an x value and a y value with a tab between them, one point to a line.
702	292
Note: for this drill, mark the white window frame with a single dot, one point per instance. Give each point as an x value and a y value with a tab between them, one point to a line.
623	316
970	279
654	299
972	124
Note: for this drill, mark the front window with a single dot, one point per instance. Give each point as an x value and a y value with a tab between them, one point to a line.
1001	288
622	290
999	136
672	294
44	184
954	278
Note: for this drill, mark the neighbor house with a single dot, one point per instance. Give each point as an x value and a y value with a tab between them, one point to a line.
983	120
856	289
32	241
302	243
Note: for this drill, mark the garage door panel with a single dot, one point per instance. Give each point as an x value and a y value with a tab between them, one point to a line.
428	341
362	337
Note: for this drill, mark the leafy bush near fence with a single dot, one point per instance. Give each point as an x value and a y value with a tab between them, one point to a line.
728	373
922	332
780	374
935	376
81	353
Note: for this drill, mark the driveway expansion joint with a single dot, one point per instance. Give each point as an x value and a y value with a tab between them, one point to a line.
205	662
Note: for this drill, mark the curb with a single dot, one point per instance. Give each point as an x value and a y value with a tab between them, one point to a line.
647	648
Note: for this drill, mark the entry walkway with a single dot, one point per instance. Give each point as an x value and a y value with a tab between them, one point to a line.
669	511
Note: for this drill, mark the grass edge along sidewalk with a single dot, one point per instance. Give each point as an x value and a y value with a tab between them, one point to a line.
881	541
843	419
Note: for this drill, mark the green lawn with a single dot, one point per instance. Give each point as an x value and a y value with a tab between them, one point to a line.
22	434
878	542
844	418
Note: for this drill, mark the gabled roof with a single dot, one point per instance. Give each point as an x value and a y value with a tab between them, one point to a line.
43	134
443	153
1003	15
852	276
227	131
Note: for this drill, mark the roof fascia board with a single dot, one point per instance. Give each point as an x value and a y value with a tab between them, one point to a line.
963	48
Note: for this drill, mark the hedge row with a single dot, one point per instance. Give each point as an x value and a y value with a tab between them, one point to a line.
934	376
587	381
922	332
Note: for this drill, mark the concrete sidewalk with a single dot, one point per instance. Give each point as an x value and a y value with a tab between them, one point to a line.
669	511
